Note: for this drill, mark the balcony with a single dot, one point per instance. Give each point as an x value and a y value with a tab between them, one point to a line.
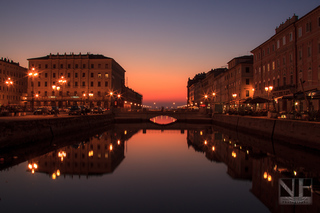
286	87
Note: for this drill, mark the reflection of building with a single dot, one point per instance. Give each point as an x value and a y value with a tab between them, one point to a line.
102	154
13	82
90	79
220	148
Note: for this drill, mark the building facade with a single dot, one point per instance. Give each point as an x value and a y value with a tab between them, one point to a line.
289	63
223	87
71	79
13	82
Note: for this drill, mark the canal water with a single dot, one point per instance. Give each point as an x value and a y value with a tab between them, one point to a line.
153	168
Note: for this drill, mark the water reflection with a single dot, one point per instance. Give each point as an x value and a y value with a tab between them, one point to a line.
247	161
163	120
259	162
99	155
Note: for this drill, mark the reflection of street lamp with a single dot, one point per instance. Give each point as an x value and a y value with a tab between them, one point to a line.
32	74
268	90
32	167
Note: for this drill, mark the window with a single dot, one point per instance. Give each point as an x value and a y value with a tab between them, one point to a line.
247	70
46	66
61	66
284	81
69	74
308	27
69	66
273	65
92	66
45	84
99	75
278	44
83	74
299	31
106	75
291	79
76	66
45	93
283	40
92	75
83	66
46	75
54	66
53	75
83	83
247	93
39	84
99	84
76	75
247	81
91	83
99	66
39	66
106	83
284	60
106	66
309	51
300	54
76	83
99	93
290	36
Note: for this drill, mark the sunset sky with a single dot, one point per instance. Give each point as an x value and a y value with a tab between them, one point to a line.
160	44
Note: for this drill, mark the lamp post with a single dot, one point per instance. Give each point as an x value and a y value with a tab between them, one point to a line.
9	82
32	74
110	99
90	95
234	95
268	90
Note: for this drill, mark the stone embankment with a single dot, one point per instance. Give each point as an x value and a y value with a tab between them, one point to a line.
18	131
301	133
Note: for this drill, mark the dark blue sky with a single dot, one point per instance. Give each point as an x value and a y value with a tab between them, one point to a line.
159	43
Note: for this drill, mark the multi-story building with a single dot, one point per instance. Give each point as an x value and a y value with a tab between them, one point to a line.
288	63
13	82
238	80
71	79
221	87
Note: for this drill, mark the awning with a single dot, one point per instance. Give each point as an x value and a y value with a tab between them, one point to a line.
259	100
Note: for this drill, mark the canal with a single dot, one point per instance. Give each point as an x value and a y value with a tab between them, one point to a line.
124	168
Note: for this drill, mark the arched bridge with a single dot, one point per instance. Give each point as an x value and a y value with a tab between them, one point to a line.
182	116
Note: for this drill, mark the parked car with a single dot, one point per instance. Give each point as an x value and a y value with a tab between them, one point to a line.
79	110
97	110
42	111
54	109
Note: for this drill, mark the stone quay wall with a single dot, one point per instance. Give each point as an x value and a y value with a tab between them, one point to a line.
15	132
301	133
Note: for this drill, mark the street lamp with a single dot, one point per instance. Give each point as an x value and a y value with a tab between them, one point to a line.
234	95
268	90
32	74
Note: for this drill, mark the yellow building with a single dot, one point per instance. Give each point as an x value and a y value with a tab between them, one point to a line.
13	82
71	79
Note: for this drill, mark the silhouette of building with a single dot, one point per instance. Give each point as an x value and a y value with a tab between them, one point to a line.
13	82
71	79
